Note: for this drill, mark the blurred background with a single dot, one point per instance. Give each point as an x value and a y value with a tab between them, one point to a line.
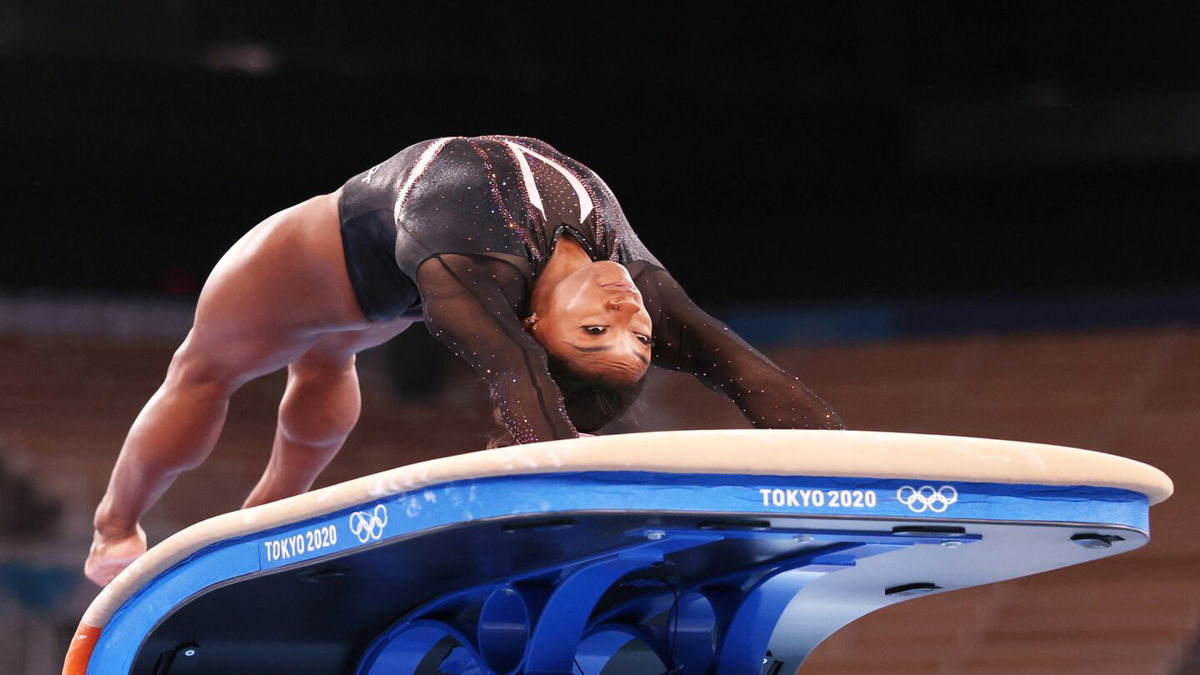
953	218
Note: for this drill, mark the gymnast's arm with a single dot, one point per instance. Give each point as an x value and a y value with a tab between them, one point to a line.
687	339
467	309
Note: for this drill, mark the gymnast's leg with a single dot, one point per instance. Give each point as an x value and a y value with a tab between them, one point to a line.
174	433
267	302
319	409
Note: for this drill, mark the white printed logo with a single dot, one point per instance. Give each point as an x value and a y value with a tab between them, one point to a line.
927	498
368	525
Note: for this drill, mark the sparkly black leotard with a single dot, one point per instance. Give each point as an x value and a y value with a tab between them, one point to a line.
455	230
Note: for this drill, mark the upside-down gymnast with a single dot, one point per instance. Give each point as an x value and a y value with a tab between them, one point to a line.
514	255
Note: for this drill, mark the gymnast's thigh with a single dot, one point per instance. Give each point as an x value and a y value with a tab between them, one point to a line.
288	271
276	292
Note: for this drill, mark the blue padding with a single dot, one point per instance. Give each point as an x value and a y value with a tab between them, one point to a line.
644	491
464	501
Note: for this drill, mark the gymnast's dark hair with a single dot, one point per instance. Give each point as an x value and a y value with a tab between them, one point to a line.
591	401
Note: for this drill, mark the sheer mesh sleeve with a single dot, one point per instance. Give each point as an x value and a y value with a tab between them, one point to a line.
469	306
688	339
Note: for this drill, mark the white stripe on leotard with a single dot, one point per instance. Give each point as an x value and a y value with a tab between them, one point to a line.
535	197
585	201
418	168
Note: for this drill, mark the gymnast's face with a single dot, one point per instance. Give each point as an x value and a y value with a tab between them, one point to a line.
596	322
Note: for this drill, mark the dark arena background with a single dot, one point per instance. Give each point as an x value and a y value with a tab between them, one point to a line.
972	219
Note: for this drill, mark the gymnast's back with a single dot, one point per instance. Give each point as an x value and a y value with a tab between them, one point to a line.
504	196
455	231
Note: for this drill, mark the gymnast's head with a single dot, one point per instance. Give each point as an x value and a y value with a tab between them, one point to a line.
596	333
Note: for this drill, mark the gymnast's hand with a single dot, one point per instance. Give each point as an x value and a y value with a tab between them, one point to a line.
111	555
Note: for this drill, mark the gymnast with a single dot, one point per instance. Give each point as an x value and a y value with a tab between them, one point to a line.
515	256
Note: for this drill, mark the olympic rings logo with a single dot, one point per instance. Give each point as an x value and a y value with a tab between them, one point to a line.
927	498
368	525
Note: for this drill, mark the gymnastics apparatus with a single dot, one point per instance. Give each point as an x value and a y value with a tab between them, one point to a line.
682	552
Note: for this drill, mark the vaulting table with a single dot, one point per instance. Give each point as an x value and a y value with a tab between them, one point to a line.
690	551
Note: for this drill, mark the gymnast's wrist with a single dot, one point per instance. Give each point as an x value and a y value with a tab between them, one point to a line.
110	528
